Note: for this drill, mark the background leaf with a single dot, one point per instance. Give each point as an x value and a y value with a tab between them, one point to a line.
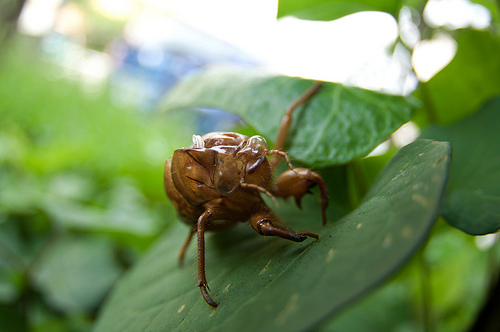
327	10
76	273
337	125
80	195
269	283
472	201
470	79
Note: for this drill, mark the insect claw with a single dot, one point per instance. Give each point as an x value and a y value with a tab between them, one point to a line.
298	198
298	202
206	296
264	227
313	235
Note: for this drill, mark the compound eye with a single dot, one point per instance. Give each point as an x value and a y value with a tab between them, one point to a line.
257	144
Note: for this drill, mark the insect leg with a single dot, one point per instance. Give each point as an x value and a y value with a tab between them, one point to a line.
275	153
262	223
186	245
297	182
260	189
202	280
287	120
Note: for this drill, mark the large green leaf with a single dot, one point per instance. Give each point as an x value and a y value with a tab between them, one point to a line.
337	125
326	10
398	304
266	283
472	201
470	79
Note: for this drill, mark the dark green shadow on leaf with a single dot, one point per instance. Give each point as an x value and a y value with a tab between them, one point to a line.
472	201
336	126
266	283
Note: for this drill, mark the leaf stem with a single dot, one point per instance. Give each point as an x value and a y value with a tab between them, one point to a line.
425	276
429	108
357	182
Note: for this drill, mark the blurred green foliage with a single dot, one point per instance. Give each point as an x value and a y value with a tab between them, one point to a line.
81	192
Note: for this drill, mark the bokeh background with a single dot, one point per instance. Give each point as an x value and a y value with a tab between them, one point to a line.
83	139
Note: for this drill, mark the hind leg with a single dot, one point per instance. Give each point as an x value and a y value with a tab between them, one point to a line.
286	121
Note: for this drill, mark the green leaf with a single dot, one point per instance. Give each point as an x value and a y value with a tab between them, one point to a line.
264	283
470	79
336	125
11	319
125	213
398	304
76	273
472	201
327	10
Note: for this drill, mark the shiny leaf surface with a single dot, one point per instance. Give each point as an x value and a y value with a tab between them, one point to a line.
334	127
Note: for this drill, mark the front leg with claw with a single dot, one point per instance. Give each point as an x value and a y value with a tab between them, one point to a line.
297	182
266	223
202	279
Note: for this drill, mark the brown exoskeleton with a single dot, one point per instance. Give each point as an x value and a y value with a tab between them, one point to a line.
218	182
